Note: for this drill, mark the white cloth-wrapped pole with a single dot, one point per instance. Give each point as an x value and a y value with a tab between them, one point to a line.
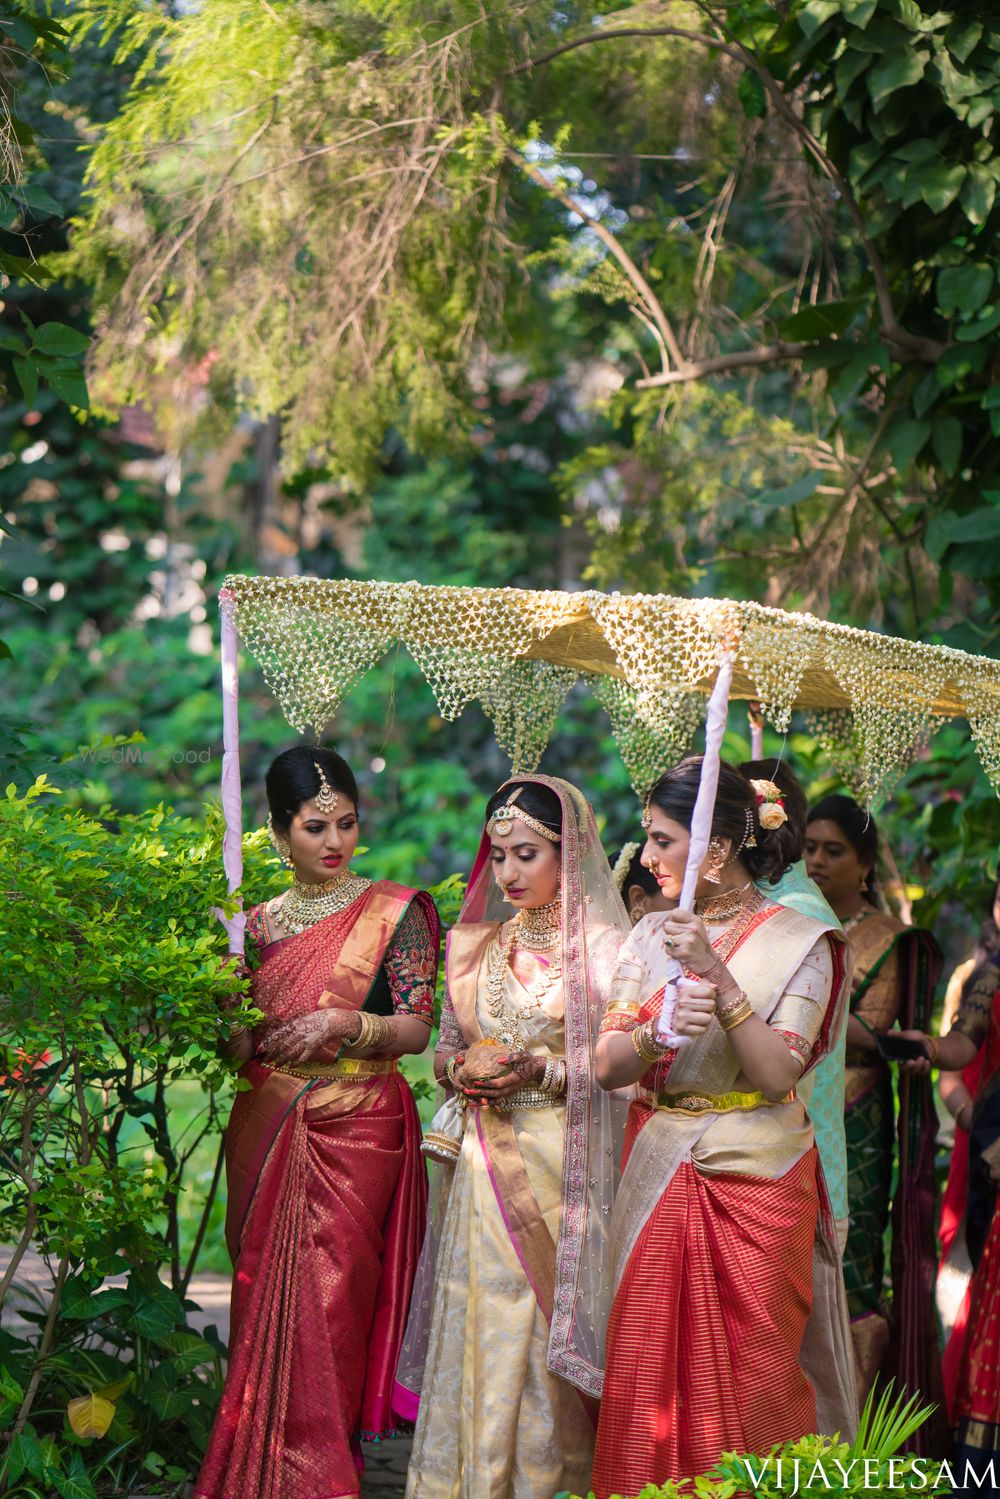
701	831
232	802
756	732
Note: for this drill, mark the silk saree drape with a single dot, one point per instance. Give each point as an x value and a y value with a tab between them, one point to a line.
325	1218
725	1245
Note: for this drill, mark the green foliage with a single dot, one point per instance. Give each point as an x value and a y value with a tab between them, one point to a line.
113	986
815	1465
32	48
817	178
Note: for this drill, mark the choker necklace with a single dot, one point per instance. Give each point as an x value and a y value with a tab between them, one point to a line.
540	927
717	908
304	905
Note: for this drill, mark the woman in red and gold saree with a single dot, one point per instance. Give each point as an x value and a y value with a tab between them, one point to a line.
728	1289
327	1188
504	1356
976	1032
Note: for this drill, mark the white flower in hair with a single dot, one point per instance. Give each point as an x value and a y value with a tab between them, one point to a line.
624	859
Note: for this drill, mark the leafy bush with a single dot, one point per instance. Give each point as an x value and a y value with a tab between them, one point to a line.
814	1465
113	985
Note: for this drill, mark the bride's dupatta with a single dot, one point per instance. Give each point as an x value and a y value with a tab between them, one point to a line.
571	1275
326	1211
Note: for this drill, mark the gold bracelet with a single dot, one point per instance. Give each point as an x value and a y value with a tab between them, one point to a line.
450	1067
735	1014
375	1033
645	1044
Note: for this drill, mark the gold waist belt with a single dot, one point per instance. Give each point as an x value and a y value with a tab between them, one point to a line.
709	1103
346	1068
527	1098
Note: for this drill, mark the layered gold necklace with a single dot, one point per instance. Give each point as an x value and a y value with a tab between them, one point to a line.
719	908
536	930
540	928
303	905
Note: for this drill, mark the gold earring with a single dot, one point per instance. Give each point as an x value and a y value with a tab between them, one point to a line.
638	911
717	858
281	845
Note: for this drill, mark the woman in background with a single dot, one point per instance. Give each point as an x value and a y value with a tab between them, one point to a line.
895	970
958	1092
639	890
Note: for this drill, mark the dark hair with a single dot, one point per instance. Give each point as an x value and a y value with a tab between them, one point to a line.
638	874
540	802
292	779
857	825
787	783
734	816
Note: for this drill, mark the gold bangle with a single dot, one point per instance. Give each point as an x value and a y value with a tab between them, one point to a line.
734	1015
374	1035
646	1046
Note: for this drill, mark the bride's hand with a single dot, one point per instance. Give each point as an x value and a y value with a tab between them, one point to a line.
685	938
523	1069
695	1007
299	1040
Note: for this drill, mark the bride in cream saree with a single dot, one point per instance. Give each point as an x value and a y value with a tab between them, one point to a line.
507	1394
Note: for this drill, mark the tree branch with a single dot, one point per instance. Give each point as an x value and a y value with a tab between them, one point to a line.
721	363
912	344
649	299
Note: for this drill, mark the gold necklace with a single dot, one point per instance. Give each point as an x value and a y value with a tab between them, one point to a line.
540	928
303	905
508	1029
718	908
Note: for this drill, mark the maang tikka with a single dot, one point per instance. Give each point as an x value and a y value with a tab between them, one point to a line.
326	798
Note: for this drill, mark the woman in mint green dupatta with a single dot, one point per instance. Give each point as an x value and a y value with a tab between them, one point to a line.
822	1090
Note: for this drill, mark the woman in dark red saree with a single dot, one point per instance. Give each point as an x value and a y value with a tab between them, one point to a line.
327	1189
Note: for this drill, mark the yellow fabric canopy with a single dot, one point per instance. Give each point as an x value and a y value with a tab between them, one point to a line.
650	659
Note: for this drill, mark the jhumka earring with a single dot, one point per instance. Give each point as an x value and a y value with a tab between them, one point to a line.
281	845
717	858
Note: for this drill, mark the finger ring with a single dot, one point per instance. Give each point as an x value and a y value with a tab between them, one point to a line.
669	944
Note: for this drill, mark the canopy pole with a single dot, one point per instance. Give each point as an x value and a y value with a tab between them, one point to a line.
755	718
232	801
701	830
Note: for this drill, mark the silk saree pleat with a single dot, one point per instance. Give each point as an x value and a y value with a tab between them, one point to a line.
704	1338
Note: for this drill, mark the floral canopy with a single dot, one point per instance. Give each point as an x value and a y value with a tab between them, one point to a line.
650	659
